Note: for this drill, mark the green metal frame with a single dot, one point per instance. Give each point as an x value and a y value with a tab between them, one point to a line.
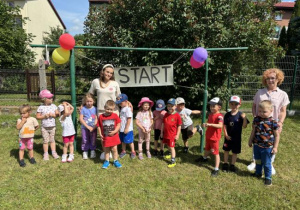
72	72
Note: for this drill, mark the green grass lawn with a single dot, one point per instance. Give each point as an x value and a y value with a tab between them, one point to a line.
147	184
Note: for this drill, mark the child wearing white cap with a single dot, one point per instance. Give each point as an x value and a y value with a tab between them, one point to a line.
187	129
234	122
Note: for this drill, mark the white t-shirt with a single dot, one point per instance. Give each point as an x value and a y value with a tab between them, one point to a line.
185	117
111	92
124	114
47	109
67	126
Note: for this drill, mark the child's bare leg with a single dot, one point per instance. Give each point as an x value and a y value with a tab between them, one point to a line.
114	152
107	151
161	146
21	154
45	147
226	155
206	153
155	144
194	131
65	148
123	146
217	161
173	152
71	147
131	145
30	153
53	146
233	159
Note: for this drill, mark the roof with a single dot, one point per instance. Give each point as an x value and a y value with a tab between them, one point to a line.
286	5
50	2
99	1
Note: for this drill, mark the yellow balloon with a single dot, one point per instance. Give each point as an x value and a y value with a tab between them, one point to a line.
60	55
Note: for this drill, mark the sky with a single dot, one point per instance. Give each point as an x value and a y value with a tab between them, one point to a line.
73	13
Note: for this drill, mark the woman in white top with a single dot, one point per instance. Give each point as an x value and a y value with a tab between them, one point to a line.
106	88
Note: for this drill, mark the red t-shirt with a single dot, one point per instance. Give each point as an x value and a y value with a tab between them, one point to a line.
212	133
107	124
171	122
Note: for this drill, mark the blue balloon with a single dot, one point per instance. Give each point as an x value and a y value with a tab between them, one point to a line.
200	54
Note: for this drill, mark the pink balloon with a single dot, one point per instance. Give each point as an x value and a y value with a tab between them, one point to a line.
67	41
196	64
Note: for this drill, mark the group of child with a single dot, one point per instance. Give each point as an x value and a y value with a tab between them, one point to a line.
114	130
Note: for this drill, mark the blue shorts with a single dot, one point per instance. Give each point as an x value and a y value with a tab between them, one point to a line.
126	138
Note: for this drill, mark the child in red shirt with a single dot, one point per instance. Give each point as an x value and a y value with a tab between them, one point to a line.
213	133
170	130
108	129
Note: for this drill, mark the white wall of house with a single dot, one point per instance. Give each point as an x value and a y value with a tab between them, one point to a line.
41	18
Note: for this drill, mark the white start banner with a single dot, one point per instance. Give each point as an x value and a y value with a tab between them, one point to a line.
144	76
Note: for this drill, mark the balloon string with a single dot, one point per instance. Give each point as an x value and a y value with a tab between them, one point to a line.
198	88
179	58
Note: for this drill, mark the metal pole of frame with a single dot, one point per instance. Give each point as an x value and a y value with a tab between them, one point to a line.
294	82
73	93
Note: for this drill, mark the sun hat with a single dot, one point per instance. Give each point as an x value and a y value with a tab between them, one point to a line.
108	65
145	99
160	105
235	99
46	94
172	101
215	100
180	100
122	97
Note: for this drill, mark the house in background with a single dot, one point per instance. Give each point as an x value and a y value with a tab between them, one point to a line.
42	15
98	3
283	14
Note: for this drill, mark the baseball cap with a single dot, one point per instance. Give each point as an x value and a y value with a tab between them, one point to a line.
61	108
235	99
180	100
171	101
160	105
122	97
46	94
215	100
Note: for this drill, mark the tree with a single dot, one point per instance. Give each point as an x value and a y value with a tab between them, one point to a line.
283	38
183	24
293	37
14	51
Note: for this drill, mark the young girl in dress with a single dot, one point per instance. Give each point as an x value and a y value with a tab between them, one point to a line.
144	121
88	120
68	130
47	112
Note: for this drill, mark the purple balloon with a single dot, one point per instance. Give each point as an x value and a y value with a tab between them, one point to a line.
196	64
200	54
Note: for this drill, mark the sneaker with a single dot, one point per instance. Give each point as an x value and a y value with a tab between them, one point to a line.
102	156
148	154
273	170
256	175
141	156
201	159
225	167
199	129
71	157
46	156
232	168
161	152
168	157
132	155
251	167
185	149
105	164
93	154
64	158
268	182
22	163
85	155
32	160
117	164
155	153
122	154
55	155
214	173
172	164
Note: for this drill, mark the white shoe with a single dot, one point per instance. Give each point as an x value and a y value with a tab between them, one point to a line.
71	158
273	170
85	155
102	156
64	158
251	167
93	154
